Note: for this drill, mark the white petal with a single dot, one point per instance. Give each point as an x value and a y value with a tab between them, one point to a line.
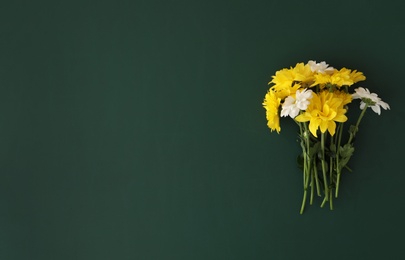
376	108
294	112
307	94
284	111
329	70
355	96
360	93
321	67
384	105
289	101
303	104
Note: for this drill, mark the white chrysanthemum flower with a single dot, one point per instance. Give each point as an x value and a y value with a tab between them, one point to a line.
289	108
370	99
292	106
320	67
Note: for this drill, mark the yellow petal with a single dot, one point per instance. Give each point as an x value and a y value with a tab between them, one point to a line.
313	126
323	126
331	127
302	117
340	118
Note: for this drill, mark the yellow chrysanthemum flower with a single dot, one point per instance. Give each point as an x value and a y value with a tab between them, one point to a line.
345	97
324	110
303	73
321	80
282	80
285	81
343	77
357	76
272	103
282	93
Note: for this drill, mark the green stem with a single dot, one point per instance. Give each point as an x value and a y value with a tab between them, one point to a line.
352	135
330	200
308	162
340	132
324	201
337	184
306	136
338	168
318	190
325	181
357	124
304	198
330	170
305	151
312	189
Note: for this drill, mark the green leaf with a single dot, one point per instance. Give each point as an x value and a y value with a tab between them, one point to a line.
343	162
332	148
300	161
353	130
314	149
346	151
332	151
319	165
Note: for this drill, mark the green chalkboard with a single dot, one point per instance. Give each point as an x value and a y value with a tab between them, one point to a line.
135	130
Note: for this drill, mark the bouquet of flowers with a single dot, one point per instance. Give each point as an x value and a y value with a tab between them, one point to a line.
316	96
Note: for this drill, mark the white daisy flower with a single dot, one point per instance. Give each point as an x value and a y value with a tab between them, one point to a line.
370	99
292	106
320	67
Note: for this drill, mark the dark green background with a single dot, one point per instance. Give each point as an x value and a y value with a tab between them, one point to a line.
134	130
